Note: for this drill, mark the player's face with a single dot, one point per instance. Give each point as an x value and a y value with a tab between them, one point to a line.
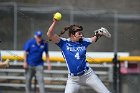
78	35
38	38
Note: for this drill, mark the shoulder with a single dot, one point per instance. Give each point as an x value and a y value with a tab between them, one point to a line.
28	44
64	39
30	41
62	42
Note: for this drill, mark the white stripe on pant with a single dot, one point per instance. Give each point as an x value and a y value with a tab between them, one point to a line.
89	78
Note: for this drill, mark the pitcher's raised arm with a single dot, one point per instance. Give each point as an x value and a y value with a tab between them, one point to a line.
51	34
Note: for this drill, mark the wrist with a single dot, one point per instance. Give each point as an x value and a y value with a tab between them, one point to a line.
97	36
55	21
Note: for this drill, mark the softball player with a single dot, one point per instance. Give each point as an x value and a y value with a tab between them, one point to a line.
74	52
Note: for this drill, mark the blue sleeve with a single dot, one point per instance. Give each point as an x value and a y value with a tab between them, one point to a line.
61	43
87	41
27	46
46	47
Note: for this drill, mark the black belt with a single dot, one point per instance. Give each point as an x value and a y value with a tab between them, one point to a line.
80	73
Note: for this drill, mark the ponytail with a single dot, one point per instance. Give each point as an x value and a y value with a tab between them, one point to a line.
64	30
72	29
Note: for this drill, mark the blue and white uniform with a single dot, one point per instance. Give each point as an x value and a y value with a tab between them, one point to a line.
75	54
79	71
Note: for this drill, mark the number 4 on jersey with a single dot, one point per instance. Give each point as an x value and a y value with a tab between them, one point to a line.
77	56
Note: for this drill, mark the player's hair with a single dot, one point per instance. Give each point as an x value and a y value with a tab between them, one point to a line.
72	29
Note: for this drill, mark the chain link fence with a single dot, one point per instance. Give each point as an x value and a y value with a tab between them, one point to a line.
18	22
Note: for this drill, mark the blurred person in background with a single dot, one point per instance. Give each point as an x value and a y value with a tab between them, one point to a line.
4	64
33	62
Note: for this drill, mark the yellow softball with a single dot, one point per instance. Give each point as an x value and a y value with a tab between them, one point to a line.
57	16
